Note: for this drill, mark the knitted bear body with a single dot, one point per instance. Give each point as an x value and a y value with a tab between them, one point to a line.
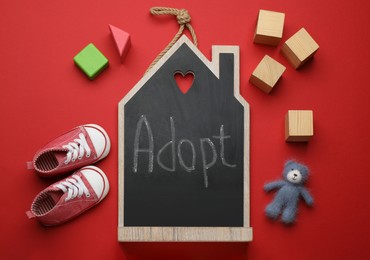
289	192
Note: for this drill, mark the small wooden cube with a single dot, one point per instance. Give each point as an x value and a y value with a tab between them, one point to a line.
269	29
122	40
299	48
91	61
266	74
298	125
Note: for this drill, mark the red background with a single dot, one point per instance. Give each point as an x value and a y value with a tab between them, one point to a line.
43	94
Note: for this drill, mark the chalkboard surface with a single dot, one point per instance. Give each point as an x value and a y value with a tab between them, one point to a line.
184	154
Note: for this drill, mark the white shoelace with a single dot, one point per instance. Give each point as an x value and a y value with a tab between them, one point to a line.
74	186
76	150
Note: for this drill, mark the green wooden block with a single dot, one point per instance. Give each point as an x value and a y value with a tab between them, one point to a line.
91	61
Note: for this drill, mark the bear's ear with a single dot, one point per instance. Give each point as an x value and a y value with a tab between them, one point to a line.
289	162
305	171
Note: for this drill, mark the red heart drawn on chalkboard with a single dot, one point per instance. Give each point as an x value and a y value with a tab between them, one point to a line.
184	82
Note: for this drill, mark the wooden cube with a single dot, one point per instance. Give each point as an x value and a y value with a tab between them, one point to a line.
299	48
91	61
298	125
266	74
269	29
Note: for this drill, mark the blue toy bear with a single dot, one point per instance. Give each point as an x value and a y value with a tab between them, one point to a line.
290	190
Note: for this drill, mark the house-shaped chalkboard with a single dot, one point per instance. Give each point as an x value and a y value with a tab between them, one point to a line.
184	157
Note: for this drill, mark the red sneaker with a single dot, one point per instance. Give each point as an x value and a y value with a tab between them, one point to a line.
70	197
81	146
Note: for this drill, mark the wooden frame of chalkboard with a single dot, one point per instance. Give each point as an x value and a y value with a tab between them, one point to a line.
136	228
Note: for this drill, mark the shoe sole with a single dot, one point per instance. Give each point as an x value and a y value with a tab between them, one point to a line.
108	145
105	179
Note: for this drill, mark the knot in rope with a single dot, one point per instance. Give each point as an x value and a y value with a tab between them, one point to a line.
183	16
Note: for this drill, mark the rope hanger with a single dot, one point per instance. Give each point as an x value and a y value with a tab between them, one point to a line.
183	19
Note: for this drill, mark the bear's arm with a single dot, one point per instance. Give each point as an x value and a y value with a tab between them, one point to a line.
307	196
273	185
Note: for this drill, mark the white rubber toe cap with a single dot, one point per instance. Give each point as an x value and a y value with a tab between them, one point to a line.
97	180
100	139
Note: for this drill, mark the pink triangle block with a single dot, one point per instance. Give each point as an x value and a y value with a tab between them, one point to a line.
122	39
